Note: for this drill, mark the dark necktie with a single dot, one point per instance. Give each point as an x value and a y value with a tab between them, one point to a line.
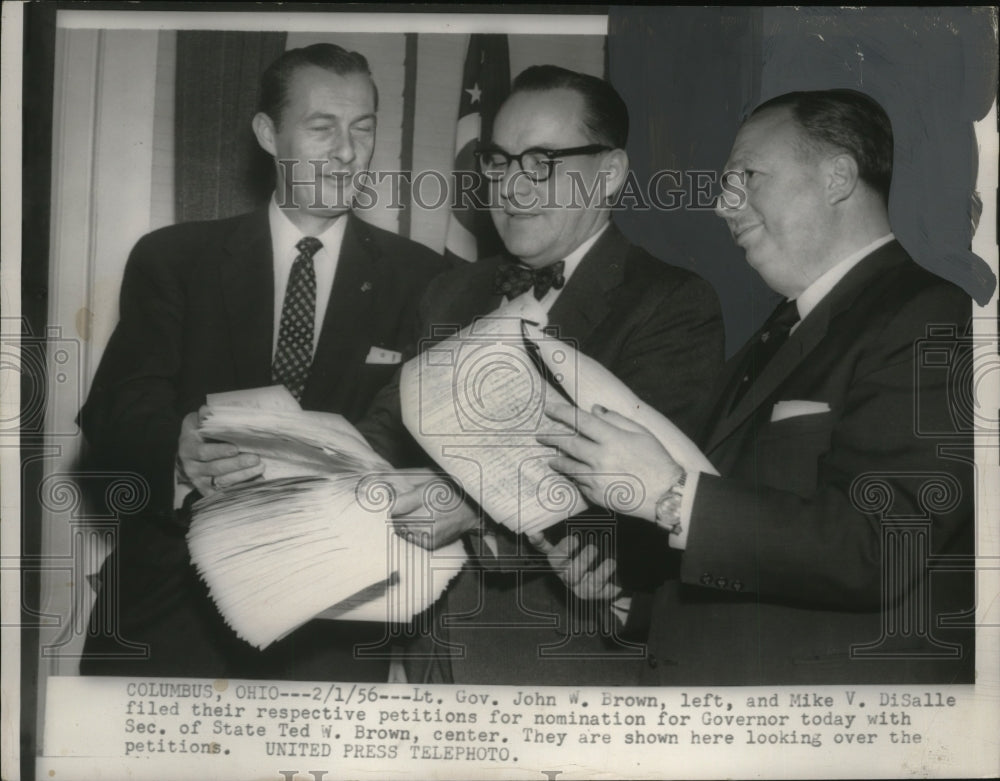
773	334
293	357
512	279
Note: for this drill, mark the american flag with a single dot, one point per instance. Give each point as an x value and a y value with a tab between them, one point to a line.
485	85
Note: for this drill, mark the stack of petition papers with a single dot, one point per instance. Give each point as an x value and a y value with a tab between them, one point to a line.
314	538
291	441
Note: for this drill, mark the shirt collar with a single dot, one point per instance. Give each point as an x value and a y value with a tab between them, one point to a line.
285	234
818	290
536	311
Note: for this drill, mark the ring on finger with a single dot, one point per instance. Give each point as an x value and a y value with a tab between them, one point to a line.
215	482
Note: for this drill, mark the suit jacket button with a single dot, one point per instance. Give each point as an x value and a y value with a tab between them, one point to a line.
652	661
721	583
737	585
706	579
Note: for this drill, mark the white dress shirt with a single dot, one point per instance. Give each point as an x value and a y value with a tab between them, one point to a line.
805	303
284	236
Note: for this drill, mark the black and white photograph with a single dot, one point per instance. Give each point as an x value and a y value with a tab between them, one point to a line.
502	392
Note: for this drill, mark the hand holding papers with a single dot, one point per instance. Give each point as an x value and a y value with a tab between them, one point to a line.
615	463
452	517
208	465
594	386
476	401
316	541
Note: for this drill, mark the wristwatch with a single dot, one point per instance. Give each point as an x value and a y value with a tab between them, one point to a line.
668	507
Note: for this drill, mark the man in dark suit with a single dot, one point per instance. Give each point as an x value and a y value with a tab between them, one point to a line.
842	473
301	293
656	326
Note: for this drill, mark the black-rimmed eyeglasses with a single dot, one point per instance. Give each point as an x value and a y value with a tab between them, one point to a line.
536	162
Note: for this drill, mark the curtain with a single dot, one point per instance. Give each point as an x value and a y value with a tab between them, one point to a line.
220	170
701	74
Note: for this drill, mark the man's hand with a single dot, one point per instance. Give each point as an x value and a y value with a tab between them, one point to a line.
605	447
436	502
211	466
575	567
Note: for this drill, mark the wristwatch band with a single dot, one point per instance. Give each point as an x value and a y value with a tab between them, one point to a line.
668	508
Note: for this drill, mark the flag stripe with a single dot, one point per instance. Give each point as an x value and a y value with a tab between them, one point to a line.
485	84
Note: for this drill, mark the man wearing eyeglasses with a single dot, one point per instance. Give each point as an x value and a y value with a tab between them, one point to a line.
555	163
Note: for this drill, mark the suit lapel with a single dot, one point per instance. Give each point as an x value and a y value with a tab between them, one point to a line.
247	277
343	341
584	302
724	390
792	353
799	345
477	298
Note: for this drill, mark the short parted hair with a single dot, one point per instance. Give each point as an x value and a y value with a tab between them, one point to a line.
273	95
605	115
847	121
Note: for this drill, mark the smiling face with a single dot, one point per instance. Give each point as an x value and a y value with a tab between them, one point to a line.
542	222
783	221
327	118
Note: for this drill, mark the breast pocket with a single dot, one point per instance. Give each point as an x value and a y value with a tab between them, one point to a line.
788	451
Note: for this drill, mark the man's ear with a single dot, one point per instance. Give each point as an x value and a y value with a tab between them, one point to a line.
616	164
264	130
842	177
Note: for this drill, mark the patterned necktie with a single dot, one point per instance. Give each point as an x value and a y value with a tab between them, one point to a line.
512	279
293	357
773	334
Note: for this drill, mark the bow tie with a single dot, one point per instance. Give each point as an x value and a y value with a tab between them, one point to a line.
512	279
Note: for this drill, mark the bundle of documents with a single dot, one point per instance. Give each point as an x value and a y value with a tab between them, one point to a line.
316	541
475	402
291	441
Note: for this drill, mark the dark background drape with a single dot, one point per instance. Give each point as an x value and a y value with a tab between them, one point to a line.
686	74
690	76
220	170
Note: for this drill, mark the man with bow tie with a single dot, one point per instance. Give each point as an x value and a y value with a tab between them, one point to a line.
558	137
299	293
817	553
